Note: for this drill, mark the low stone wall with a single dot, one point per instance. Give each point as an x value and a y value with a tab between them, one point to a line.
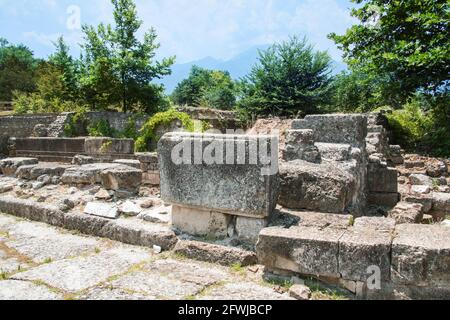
374	258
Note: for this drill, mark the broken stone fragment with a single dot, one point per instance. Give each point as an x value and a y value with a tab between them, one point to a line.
129	162
101	209
213	253
102	194
129	208
300	292
405	212
420	179
121	178
81	160
9	166
420	189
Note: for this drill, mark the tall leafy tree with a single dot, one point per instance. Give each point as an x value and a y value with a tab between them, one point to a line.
290	78
67	67
206	88
405	41
17	69
118	67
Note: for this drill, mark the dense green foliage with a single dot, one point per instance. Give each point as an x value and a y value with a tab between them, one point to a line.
114	72
290	78
17	70
408	41
206	88
148	132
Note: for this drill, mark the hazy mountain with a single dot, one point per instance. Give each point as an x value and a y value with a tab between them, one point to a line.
238	67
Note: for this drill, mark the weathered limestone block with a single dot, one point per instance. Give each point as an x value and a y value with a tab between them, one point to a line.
304	250
300	146
129	162
323	188
121	178
382	179
102	209
334	151
421	255
108	146
226	256
376	223
420	189
362	248
81	160
425	200
200	222
249	228
441	203
224	174
388	200
86	174
9	166
336	128
420	179
323	220
405	212
32	172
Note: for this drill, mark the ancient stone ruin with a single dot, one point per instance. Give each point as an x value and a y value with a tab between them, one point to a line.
342	205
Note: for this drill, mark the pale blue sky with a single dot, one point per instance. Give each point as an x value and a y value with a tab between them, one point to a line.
189	29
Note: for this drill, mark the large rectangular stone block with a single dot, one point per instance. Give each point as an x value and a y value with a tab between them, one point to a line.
382	180
421	255
305	250
336	128
221	173
363	251
108	146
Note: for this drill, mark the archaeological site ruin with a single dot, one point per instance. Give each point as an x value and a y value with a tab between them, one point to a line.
325	198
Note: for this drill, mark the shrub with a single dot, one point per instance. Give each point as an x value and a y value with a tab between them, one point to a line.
422	126
147	133
101	128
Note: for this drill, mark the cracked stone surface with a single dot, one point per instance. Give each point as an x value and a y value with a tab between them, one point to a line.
41	262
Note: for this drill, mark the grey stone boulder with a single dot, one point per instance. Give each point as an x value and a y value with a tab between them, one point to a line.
81	160
86	174
121	178
441	203
317	187
241	187
300	292
32	172
9	166
421	255
304	250
421	180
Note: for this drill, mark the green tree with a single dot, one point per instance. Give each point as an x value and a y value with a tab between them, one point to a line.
17	69
118	68
67	67
405	41
291	77
206	88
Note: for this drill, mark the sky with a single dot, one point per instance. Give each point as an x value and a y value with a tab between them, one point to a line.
188	29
